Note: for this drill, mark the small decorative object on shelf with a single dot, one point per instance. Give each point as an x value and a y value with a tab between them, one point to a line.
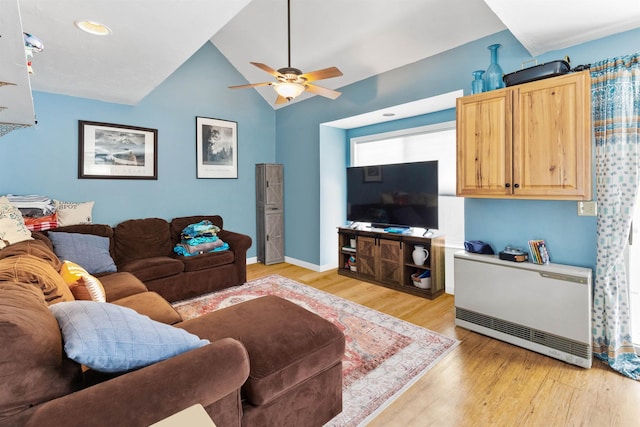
513	254
419	255
493	76
352	263
477	84
422	279
539	252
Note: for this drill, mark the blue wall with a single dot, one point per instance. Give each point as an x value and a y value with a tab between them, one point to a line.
333	158
43	159
571	239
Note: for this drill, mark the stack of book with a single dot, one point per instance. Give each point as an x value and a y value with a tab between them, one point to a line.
539	252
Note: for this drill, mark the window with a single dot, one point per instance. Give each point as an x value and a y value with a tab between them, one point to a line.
436	142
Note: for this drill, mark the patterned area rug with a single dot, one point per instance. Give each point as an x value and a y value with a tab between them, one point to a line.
384	355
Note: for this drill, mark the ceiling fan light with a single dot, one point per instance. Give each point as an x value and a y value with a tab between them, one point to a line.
289	90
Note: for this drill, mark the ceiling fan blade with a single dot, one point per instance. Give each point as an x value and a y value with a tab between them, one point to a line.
251	85
322	91
326	73
281	100
268	69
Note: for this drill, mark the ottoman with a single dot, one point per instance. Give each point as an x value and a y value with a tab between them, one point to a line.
295	359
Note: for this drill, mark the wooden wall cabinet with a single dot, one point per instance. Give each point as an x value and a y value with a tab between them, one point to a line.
386	259
530	141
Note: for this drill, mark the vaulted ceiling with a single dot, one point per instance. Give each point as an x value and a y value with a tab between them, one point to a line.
151	39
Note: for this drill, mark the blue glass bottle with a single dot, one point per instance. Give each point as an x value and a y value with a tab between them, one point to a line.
477	84
493	76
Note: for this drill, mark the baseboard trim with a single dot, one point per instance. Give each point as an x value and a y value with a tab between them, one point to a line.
305	264
315	267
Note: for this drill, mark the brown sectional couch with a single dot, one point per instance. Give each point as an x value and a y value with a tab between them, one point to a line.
269	361
144	248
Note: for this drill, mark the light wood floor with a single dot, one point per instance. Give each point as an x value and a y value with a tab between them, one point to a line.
483	382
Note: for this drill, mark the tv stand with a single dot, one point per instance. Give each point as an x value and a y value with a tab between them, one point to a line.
386	259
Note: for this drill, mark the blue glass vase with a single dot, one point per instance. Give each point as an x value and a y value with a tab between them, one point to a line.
493	76
477	84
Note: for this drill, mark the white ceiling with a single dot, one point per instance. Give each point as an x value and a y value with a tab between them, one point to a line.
152	38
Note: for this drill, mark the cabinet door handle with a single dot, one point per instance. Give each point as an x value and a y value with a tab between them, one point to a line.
507	185
516	185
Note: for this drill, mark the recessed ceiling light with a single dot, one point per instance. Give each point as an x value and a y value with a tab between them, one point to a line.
388	114
93	27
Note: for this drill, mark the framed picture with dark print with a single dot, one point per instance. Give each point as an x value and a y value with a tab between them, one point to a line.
372	174
112	151
216	148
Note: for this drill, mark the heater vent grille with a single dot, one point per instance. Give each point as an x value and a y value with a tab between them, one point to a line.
529	334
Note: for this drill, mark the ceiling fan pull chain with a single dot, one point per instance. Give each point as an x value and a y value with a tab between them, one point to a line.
289	33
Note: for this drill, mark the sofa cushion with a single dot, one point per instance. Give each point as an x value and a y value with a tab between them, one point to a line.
83	285
153	305
120	285
111	338
87	250
34	368
33	271
286	343
153	268
206	260
37	247
142	238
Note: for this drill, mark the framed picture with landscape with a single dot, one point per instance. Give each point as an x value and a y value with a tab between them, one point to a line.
112	151
216	148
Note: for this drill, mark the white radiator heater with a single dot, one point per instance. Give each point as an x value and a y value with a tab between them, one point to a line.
543	308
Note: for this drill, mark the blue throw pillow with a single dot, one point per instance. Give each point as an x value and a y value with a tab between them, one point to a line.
89	251
111	338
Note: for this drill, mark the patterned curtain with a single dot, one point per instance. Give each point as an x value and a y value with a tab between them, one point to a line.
616	113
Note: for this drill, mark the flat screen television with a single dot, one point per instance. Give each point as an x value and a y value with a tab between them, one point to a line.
397	195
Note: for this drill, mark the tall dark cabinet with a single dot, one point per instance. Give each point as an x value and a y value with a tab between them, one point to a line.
270	212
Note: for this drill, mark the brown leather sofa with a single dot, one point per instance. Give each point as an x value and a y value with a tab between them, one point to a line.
269	361
144	248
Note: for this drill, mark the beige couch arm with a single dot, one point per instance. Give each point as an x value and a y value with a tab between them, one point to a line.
145	396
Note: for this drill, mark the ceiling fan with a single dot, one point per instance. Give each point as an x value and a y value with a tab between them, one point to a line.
291	82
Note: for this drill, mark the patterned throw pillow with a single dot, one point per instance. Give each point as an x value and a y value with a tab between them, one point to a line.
82	284
111	338
71	213
12	228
